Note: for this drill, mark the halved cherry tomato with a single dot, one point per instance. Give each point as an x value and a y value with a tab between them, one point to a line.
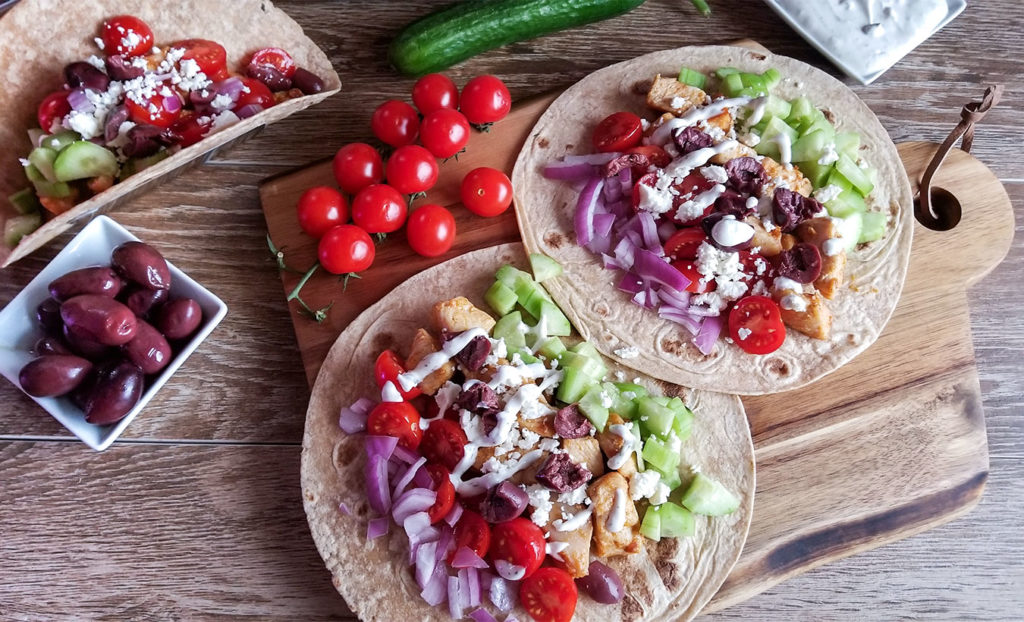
445	492
655	154
689	270
444	443
356	166
549	595
211	56
519	542
54	107
387	368
398	419
276	58
761	322
646	180
254	92
472	532
692	185
319	209
618	131
749	261
126	35
192	128
683	244
161	110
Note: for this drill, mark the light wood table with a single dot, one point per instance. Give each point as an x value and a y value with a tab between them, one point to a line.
195	512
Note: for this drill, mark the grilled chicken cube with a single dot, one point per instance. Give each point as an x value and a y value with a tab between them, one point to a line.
788	241
738	151
458	315
603	493
817	231
812	317
544	426
423	344
785	176
770	242
577	556
611	443
721	121
671	95
585	451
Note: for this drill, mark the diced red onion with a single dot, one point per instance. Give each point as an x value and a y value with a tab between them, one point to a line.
465	557
232	87
649	231
172	104
470	579
621	208
454	514
666	230
363	405
377	491
417	528
624	252
640	298
585	209
437	587
422	479
609	262
444	542
651	266
343	508
631	283
563	171
672	298
634	237
405	455
689	322
406	477
79	101
612	191
426	559
249	110
603	224
600	245
709	331
393	468
382	446
456	599
482	615
596	159
353	422
502	594
412	502
377	527
652	299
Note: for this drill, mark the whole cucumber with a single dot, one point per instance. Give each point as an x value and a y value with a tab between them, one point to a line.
464	29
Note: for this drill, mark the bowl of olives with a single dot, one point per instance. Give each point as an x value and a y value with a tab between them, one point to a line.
96	334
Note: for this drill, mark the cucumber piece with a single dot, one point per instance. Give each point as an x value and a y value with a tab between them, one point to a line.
555	322
732	84
835	179
857	176
551	348
753	85
592	405
818	125
692	78
591	368
25	201
544	267
676	521
708	497
651	525
465	29
19	226
507	275
800	111
658	455
574	384
626	396
682	420
872	227
817	173
137	165
768	146
43	158
500	298
654	417
507	328
776	106
83	159
809	147
33	174
848	143
629	387
850	229
590	353
672	479
846	202
772	76
58	141
526	356
56	190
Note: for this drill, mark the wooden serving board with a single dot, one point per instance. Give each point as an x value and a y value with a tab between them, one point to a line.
888	446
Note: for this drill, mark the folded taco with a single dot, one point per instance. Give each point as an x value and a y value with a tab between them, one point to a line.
114	101
467	455
727	219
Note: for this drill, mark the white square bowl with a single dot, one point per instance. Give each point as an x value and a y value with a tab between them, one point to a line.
19	329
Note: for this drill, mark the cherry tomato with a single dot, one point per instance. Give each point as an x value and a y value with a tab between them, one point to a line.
549	595
161	109
761	322
472	532
655	154
444	443
254	92
320	209
211	56
485	99
689	270
486	191
431	230
618	131
519	542
387	369
691	185
435	91
356	166
398	419
276	58
53	108
649	179
192	128
411	169
379	208
683	244
395	123
126	35
345	249
445	492
444	132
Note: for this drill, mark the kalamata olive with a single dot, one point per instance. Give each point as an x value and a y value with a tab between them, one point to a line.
98	280
113	391
746	175
83	345
691	139
602	584
148	349
274	79
307	81
82	74
50	345
48	316
112	126
802	263
179	318
142	300
570	423
560	473
142	264
53	374
503	503
99	318
120	67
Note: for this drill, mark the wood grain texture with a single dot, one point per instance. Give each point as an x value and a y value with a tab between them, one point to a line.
246	384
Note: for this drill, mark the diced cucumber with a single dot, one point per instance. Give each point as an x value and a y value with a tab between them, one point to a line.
58	141
682	420
555	322
19	226
676	521
43	158
137	165
25	201
660	456
873	227
592	368
692	78
507	328
809	147
857	176
56	190
850	229
83	159
772	76
526	356
818	125
768	146
835	179
776	106
732	84
592	406
816	173
507	274
629	387
574	384
800	111
624	407
753	85
845	203
655	418
544	267
722	72
584	348
33	174
651	525
672	479
848	143
551	348
707	496
500	298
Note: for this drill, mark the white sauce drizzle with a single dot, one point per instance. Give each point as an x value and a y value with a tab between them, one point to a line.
785	147
793	302
433	362
731	232
554	549
389	393
782	284
617	517
574	523
622	430
481	484
760	105
664	132
694	208
832	247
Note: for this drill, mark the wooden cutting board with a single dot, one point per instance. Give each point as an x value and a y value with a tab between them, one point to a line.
888	446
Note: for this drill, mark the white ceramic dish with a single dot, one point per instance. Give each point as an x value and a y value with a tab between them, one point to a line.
19	332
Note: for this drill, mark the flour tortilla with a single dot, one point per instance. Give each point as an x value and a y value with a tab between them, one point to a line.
39	37
606	317
673	579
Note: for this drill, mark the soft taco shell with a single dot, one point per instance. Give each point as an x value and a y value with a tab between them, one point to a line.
672	580
607	318
39	37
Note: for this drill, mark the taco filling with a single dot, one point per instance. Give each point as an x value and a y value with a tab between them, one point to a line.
729	210
515	465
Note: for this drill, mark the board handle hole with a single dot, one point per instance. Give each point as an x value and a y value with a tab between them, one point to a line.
945	213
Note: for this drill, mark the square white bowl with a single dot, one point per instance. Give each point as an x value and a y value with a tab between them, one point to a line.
19	329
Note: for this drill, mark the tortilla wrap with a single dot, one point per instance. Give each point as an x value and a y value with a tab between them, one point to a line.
40	37
607	318
672	579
